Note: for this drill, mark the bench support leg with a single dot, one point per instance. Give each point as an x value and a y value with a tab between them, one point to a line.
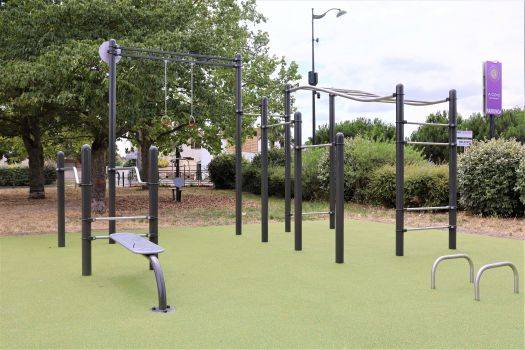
161	286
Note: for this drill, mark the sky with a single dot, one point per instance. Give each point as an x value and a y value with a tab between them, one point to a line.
429	46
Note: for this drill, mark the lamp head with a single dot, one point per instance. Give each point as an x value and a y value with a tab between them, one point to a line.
340	13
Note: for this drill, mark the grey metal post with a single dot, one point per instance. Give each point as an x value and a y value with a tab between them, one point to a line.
112	137
452	169
298	189
86	210
238	145
287	162
339	203
400	169
153	187
331	138
61	199
264	170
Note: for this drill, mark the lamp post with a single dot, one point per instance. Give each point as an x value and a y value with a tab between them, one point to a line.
312	75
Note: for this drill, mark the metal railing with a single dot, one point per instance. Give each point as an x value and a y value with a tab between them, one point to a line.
449	257
492	266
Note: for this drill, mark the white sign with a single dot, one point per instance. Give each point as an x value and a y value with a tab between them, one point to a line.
464	134
103	52
464	142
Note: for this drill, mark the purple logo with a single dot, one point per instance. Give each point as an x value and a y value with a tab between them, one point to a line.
492	88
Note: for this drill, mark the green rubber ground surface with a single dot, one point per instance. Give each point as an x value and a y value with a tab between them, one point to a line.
233	291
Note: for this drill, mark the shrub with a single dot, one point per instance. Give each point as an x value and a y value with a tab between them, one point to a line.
362	157
19	175
163	163
520	181
425	185
222	171
275	158
488	174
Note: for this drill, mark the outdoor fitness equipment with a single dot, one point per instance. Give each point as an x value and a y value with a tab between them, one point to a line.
61	197
337	176
398	99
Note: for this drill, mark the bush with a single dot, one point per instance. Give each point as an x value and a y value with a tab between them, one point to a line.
252	180
425	185
222	171
163	163
275	158
19	175
488	176
520	181
362	157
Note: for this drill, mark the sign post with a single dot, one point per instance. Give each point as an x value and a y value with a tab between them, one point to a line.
492	93
464	138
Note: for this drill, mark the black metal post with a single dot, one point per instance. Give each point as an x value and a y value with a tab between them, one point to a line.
178	192
198	170
61	200
238	145
287	163
452	169
264	170
86	210
331	138
112	137
298	189
400	169
313	81
153	189
492	126
340	205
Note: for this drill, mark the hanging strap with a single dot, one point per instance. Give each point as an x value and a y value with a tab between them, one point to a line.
165	87
192	118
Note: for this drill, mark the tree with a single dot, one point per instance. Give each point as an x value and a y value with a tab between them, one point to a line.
64	38
376	130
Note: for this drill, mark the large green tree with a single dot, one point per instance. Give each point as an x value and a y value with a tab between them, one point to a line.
62	38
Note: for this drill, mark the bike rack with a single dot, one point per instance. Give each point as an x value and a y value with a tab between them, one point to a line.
492	266
449	257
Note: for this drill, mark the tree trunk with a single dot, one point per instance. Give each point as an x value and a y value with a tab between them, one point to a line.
98	167
33	144
144	160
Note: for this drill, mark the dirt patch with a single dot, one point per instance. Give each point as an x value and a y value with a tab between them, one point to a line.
205	207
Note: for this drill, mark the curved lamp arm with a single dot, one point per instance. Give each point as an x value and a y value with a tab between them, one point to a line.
340	13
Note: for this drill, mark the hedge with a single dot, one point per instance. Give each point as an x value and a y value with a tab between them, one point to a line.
222	171
488	177
425	185
19	175
520	181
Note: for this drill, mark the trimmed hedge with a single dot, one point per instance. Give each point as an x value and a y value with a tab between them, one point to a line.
362	157
425	185
275	158
520	181
19	175
222	171
488	177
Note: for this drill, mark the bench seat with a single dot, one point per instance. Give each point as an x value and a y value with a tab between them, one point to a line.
136	244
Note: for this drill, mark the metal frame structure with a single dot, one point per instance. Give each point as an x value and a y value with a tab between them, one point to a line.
492	266
450	257
116	51
61	197
398	99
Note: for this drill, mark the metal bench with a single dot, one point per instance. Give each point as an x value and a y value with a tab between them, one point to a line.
139	245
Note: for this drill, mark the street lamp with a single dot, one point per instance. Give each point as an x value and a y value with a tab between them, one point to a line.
312	75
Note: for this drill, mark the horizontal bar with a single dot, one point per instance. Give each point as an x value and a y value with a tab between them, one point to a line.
173	53
100	237
429	143
118	218
274	125
426	228
169	59
430	124
317	213
427	208
318	145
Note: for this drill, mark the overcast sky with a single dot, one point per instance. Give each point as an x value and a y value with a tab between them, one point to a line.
429	46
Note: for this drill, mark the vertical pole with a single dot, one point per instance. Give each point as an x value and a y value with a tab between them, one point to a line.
331	138
153	194
314	93
400	169
61	199
298	189
340	205
238	145
86	210
178	194
264	170
452	169
492	126
287	162
112	135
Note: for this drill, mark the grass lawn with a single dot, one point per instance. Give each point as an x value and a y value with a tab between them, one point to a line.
233	291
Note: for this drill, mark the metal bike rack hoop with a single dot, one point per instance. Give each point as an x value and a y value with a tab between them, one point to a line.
492	266
449	257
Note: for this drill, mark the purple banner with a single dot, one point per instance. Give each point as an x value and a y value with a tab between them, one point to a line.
492	88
